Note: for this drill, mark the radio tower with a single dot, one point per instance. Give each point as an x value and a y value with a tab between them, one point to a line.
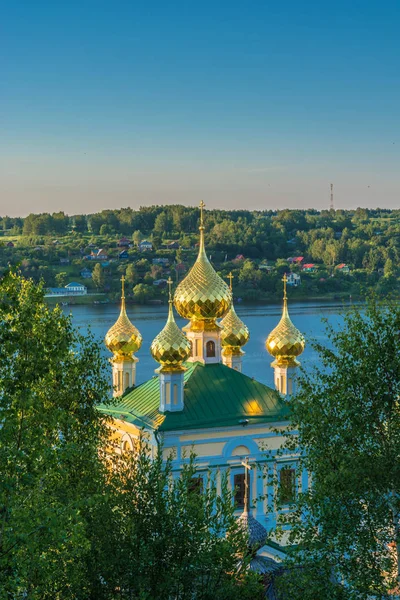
331	207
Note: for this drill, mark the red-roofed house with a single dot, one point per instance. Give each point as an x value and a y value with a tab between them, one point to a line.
309	267
295	260
181	267
343	268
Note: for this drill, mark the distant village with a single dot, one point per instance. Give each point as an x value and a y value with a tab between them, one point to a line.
325	255
97	272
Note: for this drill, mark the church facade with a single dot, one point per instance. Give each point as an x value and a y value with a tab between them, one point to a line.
200	400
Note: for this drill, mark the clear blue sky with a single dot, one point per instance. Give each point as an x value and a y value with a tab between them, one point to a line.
253	104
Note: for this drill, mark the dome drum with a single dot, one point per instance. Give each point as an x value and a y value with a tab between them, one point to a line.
232	351
285	361
201	326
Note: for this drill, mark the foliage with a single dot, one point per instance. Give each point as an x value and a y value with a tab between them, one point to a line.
77	523
142	293
51	380
98	276
347	414
167	540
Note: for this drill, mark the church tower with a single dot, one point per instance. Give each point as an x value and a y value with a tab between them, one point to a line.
202	298
171	349
123	340
285	343
234	336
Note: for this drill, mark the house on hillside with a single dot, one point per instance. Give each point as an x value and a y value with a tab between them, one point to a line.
123	255
86	273
162	283
98	255
77	289
71	289
124	242
145	246
309	268
163	262
10	245
173	246
295	260
64	261
180	267
293	279
265	267
343	268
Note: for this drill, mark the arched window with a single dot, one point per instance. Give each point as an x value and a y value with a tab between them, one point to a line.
127	444
210	349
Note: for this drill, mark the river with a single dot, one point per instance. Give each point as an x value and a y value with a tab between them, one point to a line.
259	319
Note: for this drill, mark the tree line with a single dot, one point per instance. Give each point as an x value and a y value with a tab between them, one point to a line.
364	237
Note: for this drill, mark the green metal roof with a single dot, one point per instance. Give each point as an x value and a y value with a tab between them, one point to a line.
215	396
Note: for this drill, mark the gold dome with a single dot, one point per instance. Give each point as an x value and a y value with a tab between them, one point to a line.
235	333
285	342
123	339
202	295
170	347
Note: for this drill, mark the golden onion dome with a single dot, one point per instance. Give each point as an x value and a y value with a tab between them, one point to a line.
170	347
123	339
203	295
285	342
235	333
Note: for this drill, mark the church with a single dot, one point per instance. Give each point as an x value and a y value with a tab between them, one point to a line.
200	400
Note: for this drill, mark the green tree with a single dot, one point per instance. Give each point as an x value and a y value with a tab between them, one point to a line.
61	279
131	274
98	276
347	414
162	223
137	236
51	475
105	229
174	537
388	269
143	293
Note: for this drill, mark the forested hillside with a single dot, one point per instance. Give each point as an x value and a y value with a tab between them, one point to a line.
331	253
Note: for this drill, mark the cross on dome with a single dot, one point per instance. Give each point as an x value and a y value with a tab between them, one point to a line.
284	279
202	206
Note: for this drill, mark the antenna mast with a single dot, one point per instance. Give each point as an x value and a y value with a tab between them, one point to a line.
331	205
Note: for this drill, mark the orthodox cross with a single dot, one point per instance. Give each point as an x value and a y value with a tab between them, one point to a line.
202	205
169	281
123	287
230	277
247	468
284	279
